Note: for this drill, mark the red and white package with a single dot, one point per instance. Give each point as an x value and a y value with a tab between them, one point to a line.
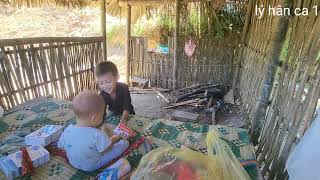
124	131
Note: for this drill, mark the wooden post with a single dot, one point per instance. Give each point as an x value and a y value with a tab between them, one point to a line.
176	48
128	42
103	29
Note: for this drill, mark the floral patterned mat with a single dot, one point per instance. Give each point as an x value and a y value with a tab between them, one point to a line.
34	114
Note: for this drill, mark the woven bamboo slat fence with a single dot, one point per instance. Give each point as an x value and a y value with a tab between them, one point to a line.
295	96
58	66
254	60
211	62
215	50
155	66
296	88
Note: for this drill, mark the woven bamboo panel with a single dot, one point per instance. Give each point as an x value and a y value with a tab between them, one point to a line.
212	62
296	89
34	67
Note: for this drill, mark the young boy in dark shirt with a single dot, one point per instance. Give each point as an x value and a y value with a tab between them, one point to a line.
115	94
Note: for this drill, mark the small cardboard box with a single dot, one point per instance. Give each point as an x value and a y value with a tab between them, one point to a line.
45	135
11	165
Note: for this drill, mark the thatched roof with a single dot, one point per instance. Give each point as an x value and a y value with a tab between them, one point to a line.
114	7
37	3
158	2
82	3
145	2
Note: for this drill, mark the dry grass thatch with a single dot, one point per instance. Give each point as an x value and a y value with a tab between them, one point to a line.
83	3
113	6
37	3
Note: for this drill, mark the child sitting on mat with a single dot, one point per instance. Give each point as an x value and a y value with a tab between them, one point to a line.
87	147
115	94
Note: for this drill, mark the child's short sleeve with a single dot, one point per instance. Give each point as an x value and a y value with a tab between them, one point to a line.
61	142
102	141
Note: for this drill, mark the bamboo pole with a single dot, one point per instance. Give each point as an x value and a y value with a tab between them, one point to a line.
128	34
243	42
103	29
272	60
176	42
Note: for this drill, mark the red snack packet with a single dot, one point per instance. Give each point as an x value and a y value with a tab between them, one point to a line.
124	131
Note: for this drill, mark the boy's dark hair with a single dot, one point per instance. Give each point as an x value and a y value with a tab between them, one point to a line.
105	67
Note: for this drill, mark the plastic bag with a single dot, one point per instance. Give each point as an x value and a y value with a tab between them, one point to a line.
168	163
1	111
221	152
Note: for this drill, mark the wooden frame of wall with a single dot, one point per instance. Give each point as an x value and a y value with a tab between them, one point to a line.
128	5
103	28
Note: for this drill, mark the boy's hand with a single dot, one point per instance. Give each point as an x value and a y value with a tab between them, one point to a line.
124	117
123	121
107	129
114	139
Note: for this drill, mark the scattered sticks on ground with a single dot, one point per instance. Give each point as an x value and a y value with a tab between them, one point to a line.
190	102
161	95
196	95
197	100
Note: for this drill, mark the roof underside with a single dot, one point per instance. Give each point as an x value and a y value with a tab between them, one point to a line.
116	8
84	3
37	3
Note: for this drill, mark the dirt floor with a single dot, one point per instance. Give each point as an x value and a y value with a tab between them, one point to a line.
147	103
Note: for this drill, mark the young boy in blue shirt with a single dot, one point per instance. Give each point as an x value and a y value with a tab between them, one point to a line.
115	94
88	148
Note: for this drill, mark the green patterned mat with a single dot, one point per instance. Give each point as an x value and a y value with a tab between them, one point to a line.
32	115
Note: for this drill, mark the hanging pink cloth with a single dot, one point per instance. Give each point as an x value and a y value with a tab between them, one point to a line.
189	48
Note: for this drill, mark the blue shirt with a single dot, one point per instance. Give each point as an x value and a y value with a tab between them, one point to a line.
84	146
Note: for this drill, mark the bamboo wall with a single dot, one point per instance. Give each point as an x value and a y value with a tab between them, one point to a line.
295	91
34	67
205	23
254	63
155	66
211	62
295	97
215	52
